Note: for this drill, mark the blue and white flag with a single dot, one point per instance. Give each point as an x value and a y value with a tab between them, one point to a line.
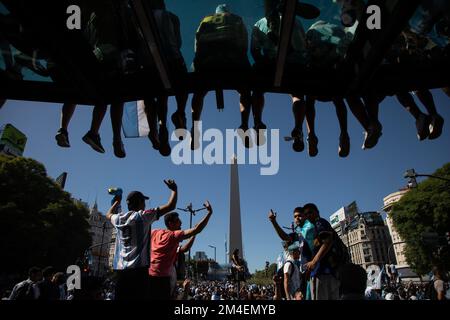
134	121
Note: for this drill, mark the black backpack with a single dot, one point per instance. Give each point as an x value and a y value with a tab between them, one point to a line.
280	275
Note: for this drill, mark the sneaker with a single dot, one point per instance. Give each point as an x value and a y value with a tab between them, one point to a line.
344	145
245	136
153	137
179	121
195	138
299	144
423	124
312	145
436	125
372	136
94	141
119	150
260	129
62	138
164	146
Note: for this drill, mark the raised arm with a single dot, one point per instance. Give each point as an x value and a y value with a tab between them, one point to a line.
113	209
273	218
172	203
188	245
201	225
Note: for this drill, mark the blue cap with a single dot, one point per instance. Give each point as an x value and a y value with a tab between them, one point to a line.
294	246
222	8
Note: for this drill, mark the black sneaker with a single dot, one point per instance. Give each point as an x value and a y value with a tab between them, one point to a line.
164	146
119	150
436	125
62	138
299	144
94	141
313	151
372	136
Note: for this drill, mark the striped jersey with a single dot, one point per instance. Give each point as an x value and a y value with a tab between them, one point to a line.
132	246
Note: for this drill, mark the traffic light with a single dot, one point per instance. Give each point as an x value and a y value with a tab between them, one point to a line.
447	237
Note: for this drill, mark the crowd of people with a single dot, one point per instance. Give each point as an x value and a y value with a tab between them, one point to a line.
112	32
314	265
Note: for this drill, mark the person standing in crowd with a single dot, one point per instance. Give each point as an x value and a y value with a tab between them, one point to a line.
48	289
291	271
353	282
164	244
131	259
439	284
304	233
28	289
326	259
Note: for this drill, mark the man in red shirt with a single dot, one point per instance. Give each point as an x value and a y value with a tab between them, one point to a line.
164	245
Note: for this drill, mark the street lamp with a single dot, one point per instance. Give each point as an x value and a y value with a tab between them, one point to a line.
412	175
191	212
215	260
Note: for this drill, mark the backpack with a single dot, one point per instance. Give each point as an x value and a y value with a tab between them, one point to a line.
25	292
280	275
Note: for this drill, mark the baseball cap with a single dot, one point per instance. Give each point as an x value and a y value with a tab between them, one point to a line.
294	246
134	196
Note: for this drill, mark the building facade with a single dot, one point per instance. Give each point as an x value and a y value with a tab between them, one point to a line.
100	230
367	239
398	244
200	256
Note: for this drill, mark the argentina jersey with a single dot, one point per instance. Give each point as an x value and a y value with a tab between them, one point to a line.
132	247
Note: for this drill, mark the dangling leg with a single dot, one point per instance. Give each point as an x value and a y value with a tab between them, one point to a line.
437	122
62	136
310	123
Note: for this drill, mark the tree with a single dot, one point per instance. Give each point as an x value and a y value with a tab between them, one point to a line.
264	277
425	209
41	225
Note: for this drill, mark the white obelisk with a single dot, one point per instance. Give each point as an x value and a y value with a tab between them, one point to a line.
235	230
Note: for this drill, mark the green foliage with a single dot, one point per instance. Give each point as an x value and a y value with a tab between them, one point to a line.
41	225
425	209
261	277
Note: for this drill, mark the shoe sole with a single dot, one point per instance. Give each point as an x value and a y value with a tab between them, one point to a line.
436	133
93	145
61	141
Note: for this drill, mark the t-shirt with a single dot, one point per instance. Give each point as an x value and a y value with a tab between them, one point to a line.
307	231
290	267
132	239
220	36
164	245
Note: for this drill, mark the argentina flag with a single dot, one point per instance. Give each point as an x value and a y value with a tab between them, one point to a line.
134	121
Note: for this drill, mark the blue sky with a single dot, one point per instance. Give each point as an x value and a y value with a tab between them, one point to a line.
331	182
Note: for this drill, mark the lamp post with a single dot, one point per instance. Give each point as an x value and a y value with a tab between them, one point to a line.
215	260
191	212
412	175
